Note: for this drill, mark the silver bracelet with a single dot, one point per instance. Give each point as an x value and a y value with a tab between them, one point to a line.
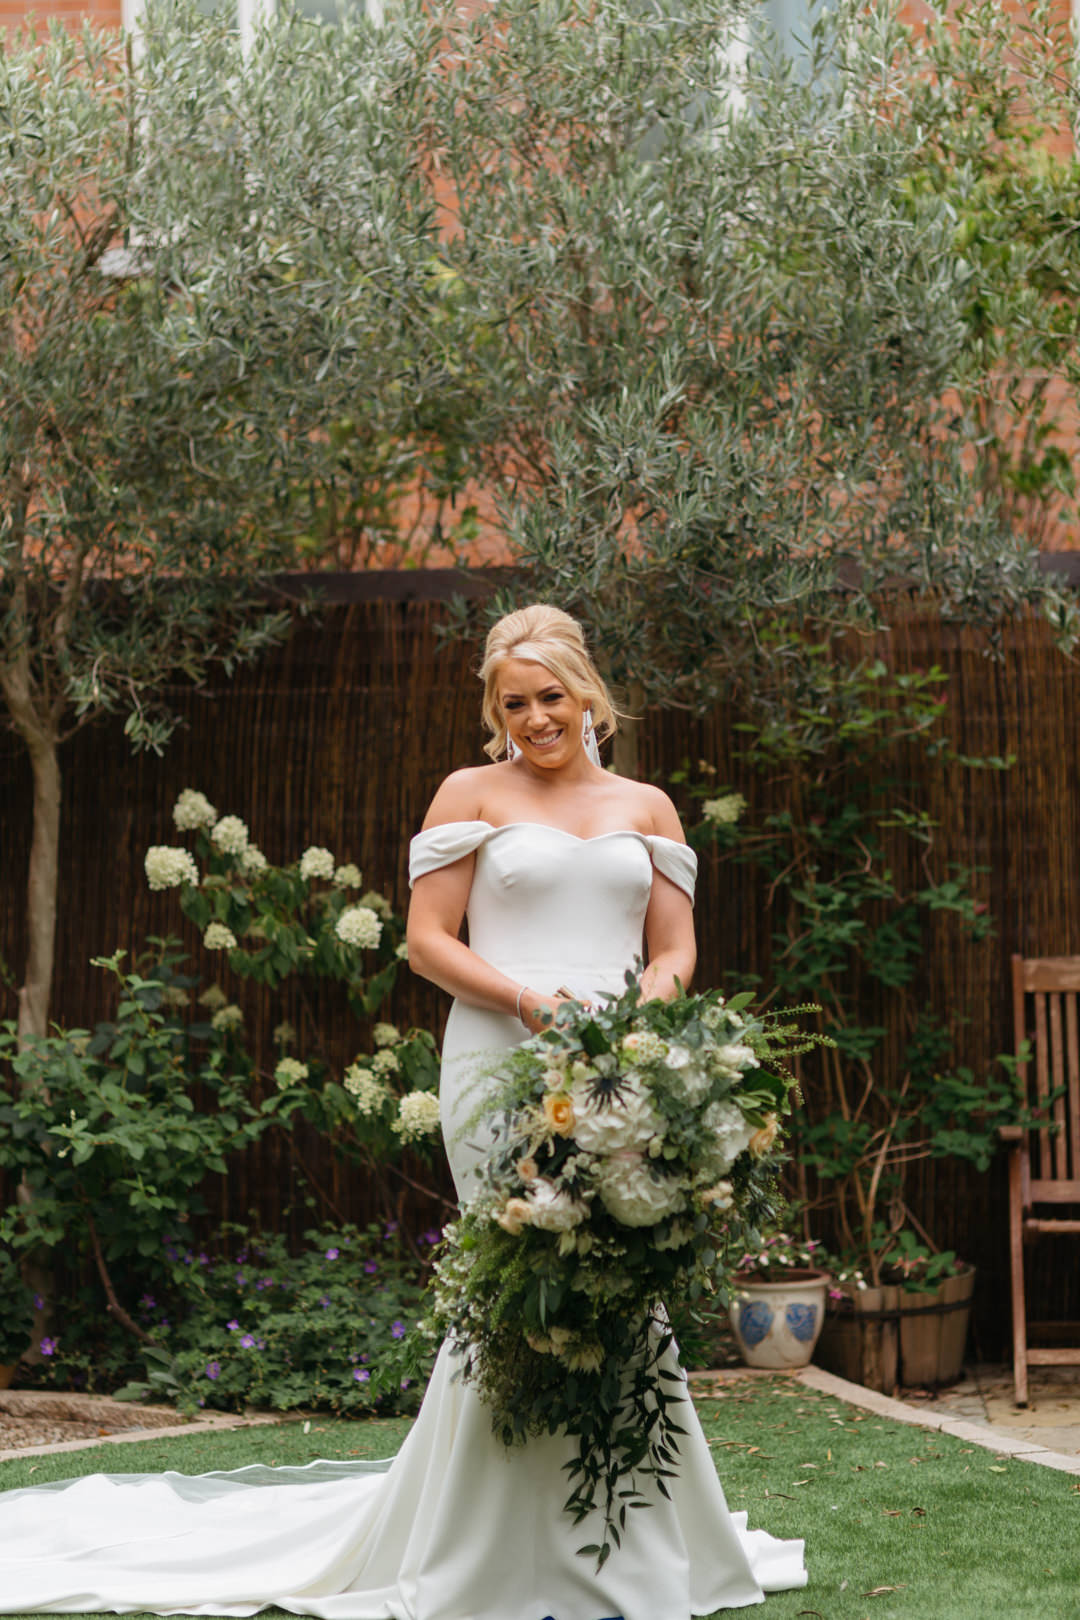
520	993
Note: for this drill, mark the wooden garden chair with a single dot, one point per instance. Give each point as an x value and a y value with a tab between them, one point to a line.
1044	1165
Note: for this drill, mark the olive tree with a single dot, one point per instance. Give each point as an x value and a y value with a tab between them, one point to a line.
213	269
724	312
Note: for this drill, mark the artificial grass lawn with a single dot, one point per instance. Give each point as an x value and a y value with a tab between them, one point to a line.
901	1523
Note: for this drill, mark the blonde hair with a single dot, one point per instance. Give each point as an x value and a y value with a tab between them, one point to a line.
543	635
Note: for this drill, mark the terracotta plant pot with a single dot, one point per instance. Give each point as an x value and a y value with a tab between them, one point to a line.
776	1324
889	1337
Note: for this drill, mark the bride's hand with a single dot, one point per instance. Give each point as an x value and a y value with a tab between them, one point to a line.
538	1012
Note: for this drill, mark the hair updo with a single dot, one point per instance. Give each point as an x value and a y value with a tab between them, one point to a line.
543	635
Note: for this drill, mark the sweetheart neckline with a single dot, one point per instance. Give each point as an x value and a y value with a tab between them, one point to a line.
548	826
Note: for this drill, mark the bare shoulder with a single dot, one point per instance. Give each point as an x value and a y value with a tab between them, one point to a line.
660	811
459	797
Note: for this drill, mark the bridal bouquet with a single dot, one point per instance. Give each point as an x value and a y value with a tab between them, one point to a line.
633	1155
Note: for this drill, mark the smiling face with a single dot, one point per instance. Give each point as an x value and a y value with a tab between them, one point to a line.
541	716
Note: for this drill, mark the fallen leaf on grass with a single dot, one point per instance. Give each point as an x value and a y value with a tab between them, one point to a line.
880	1591
891	1513
818	1612
995	1468
919	1513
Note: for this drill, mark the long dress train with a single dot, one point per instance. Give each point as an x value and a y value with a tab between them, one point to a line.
455	1527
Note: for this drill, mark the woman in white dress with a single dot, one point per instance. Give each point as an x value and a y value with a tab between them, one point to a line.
559	868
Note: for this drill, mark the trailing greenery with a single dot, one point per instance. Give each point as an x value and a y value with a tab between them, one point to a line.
854	886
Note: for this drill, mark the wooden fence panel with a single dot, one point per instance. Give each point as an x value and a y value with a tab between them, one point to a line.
341	737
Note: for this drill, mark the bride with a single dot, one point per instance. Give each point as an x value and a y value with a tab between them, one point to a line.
560	870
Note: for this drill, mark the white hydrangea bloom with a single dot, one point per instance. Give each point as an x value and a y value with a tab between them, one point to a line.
289	1072
348	876
386	1062
418	1115
402	952
713	1016
284	1034
213	996
727	1125
253	861
167	868
610	1123
378	903
219	938
371	1095
631	1192
316	862
358	925
230	835
724	811
228	1017
584	1358
174	995
386	1035
193	810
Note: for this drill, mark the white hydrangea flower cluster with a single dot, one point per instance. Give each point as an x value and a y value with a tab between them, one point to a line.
730	1134
253	861
193	810
724	811
218	937
230	835
418	1115
284	1034
168	868
371	1095
290	1072
386	1062
174	995
358	925
228	1017
609	1123
213	997
386	1035
348	876
402	952
631	1192
378	903
316	862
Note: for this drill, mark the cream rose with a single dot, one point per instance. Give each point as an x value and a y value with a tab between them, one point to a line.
559	1113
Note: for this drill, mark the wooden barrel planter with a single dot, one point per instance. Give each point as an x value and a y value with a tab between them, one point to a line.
882	1337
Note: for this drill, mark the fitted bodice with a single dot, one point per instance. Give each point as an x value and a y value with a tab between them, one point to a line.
548	907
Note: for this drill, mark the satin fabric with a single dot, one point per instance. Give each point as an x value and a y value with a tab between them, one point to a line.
455	1527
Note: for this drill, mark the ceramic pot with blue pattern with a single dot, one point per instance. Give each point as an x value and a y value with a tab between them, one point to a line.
776	1324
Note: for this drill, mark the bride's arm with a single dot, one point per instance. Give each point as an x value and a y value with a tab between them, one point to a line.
669	921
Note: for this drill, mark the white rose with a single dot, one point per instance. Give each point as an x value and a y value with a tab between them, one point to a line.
631	1192
609	1122
734	1058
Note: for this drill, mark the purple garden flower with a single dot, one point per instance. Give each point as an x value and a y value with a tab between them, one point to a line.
39	1303
248	1342
332	1254
391	1228
325	1302
233	1325
405	1382
263	1282
148	1302
397	1330
213	1370
371	1267
431	1236
361	1375
49	1346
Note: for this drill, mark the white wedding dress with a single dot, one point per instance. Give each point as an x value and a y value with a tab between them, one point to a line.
455	1527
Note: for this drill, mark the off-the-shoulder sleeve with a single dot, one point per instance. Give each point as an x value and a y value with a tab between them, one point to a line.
676	861
440	846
